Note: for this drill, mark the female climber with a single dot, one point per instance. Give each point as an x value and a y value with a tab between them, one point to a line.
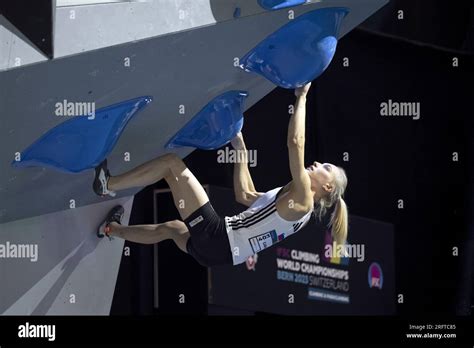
271	216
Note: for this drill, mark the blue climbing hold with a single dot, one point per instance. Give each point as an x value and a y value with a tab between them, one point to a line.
237	12
82	142
300	51
215	125
279	4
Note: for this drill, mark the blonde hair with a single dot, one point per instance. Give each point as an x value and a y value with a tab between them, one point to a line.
339	221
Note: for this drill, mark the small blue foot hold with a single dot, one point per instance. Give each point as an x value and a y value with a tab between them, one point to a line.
279	4
237	12
82	142
298	52
215	125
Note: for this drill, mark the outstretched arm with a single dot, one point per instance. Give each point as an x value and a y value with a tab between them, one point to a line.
300	190
244	189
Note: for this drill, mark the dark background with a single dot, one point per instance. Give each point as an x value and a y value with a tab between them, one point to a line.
394	158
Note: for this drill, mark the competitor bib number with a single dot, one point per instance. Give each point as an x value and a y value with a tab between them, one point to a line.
263	241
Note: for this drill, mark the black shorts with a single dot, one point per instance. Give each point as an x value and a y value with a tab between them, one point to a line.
208	243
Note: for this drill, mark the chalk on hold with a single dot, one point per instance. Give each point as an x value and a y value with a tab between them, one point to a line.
84	141
279	4
215	125
298	52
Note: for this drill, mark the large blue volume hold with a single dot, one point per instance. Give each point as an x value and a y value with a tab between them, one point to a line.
279	4
82	142
215	125
300	51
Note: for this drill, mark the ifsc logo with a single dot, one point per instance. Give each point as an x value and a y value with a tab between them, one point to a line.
375	276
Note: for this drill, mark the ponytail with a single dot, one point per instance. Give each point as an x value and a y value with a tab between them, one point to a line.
339	222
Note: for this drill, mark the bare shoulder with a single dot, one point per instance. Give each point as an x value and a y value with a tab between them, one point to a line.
290	208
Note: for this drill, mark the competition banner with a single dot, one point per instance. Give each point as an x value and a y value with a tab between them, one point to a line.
308	274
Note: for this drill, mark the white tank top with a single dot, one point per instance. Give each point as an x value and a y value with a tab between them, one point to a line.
259	227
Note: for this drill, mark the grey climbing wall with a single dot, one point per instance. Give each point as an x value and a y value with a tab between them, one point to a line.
56	265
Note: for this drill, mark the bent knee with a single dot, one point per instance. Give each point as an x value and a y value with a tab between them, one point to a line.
177	226
174	161
175	166
171	157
